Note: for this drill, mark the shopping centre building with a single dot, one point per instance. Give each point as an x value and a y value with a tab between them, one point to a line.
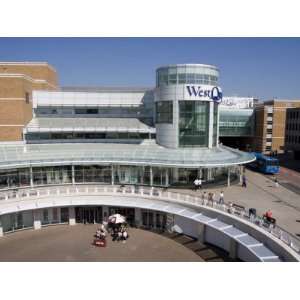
89	152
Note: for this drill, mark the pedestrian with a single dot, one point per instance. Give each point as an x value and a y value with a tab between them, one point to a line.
196	184
211	198
276	182
268	215
203	198
244	184
200	184
221	199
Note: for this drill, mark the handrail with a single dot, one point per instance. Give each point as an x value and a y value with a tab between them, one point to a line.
164	194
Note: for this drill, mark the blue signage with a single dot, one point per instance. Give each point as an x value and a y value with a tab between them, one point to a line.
214	93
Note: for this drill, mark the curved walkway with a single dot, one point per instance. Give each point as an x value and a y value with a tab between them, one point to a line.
183	205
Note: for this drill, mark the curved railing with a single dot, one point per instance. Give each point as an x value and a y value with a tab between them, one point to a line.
162	194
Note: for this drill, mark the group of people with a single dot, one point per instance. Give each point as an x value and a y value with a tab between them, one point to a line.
101	232
210	197
119	233
198	183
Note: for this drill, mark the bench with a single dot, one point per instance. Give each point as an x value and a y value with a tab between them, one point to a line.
238	209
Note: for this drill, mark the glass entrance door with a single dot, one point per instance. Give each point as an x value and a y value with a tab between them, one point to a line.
88	215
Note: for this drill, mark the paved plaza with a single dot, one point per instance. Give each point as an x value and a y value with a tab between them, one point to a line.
262	194
73	243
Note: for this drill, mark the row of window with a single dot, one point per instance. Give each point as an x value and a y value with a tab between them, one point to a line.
21	220
293	126
235	131
87	135
15	178
293	115
293	139
163	78
87	110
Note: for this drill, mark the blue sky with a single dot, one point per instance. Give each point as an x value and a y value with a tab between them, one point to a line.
261	67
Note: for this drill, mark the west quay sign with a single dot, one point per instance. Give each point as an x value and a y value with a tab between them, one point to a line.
205	92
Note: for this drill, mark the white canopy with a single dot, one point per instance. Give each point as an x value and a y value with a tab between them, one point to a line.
116	219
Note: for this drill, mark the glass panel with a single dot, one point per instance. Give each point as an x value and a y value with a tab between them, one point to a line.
193	123
52	175
236	123
164	112
99	174
159	176
14	178
64	215
131	175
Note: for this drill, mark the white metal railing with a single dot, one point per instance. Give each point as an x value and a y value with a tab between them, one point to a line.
159	193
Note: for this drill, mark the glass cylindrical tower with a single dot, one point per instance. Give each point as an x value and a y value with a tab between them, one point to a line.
186	105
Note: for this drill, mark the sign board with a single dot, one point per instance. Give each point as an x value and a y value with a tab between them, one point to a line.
203	92
237	102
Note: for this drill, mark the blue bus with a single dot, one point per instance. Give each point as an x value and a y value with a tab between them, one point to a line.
265	164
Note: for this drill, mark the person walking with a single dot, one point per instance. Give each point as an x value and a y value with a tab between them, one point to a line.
276	182
244	181
221	199
203	198
212	197
196	184
200	184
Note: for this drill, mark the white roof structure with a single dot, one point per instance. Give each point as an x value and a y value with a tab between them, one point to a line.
145	154
87	125
85	99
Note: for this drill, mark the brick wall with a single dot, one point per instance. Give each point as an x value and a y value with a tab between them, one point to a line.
16	85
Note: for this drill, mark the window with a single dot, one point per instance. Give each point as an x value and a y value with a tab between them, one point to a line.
193	123
92	111
269	140
169	76
54	215
164	112
268	148
45	216
86	111
269	122
64	215
269	130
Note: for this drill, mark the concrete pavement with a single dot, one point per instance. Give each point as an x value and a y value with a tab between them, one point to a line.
262	194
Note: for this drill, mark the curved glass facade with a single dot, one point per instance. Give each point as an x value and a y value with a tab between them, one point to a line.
193	123
188	74
236	122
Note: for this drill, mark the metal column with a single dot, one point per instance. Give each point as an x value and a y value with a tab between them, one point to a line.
151	176
112	175
73	174
31	177
228	177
